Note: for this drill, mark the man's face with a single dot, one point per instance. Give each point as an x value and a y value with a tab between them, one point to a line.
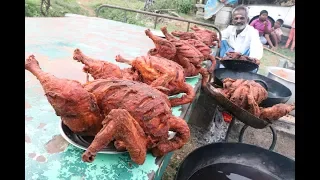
263	16
239	19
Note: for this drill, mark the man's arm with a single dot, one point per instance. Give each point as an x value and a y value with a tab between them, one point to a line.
226	33
256	48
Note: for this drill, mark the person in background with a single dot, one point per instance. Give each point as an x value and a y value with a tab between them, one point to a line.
275	35
240	37
263	25
291	36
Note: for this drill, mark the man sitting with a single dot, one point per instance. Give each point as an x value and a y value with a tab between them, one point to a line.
263	25
240	37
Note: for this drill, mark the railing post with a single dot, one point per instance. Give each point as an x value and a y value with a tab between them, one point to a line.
125	16
155	22
98	11
188	27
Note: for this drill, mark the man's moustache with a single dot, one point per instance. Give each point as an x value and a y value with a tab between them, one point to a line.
240	27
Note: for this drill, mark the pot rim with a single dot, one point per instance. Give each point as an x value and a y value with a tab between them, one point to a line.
272	68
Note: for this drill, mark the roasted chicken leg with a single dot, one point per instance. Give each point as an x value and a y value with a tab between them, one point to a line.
77	107
99	69
276	112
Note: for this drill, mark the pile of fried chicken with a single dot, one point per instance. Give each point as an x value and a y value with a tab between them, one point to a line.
248	94
239	56
130	107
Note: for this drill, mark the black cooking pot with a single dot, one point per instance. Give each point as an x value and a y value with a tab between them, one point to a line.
221	161
277	92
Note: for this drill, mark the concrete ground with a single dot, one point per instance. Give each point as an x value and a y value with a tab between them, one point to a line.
285	144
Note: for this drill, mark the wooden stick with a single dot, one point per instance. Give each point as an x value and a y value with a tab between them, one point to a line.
277	53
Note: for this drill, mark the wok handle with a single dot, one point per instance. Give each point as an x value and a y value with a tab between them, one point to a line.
262	83
274	136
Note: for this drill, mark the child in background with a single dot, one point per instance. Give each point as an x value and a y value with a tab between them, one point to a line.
274	38
263	25
292	36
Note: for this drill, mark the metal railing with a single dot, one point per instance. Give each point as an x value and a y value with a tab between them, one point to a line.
157	16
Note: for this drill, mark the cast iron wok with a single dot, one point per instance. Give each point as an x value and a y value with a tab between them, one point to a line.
277	93
241	114
263	160
239	65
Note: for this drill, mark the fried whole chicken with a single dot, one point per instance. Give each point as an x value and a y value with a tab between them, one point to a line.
239	56
248	94
99	69
135	115
186	35
208	37
166	49
160	73
189	57
204	35
205	50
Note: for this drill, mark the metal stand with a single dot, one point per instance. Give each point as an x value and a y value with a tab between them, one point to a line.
243	129
229	128
274	136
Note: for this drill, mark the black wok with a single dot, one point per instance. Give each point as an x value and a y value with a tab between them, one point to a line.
235	158
241	114
239	65
277	93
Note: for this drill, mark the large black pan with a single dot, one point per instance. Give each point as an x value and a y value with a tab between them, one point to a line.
277	93
239	65
235	158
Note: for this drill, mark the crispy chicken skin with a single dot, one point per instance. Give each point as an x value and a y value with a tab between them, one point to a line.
248	94
133	114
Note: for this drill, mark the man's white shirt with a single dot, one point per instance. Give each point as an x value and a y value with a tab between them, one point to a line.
247	39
